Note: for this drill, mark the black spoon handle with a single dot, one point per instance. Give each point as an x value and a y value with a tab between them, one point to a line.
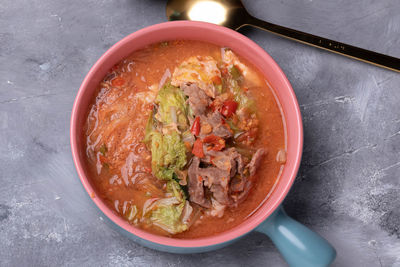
371	57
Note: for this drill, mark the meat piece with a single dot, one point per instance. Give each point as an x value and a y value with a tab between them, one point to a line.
228	164
228	159
240	163
215	176
196	190
198	100
221	194
237	183
239	180
225	179
241	196
255	161
219	128
223	131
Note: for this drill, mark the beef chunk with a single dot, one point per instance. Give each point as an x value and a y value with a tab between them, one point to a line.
239	197
228	159
198	100
223	174
255	161
213	175
196	190
221	194
219	128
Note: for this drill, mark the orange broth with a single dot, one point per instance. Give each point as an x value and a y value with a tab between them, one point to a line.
117	117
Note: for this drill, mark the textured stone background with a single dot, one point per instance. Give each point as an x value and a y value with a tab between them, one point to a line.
347	190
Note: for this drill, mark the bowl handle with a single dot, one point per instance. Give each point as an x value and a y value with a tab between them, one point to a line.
298	245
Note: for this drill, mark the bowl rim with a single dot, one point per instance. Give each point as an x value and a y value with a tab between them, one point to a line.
252	222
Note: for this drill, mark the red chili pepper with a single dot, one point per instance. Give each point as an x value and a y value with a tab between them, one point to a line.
196	126
198	148
217	142
228	108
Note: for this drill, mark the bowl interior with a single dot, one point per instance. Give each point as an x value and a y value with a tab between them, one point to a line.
222	37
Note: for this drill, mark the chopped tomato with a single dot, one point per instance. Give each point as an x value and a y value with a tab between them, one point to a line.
196	126
118	81
217	143
198	148
216	80
228	108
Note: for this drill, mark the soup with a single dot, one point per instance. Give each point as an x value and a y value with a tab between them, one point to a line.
184	139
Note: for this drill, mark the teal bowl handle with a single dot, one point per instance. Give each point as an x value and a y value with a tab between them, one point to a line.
298	245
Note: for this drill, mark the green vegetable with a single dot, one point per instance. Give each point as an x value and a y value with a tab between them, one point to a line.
150	128
172	107
184	188
168	152
243	100
168	217
174	187
167	212
235	72
239	95
174	151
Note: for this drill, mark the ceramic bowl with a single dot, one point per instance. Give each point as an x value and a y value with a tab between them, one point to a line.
299	245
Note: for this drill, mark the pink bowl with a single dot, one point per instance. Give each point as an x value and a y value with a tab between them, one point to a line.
222	37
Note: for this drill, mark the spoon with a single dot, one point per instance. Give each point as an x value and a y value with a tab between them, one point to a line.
232	14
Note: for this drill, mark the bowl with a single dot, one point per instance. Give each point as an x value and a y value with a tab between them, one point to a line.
299	245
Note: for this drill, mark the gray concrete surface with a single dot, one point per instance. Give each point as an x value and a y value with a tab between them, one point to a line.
349	184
